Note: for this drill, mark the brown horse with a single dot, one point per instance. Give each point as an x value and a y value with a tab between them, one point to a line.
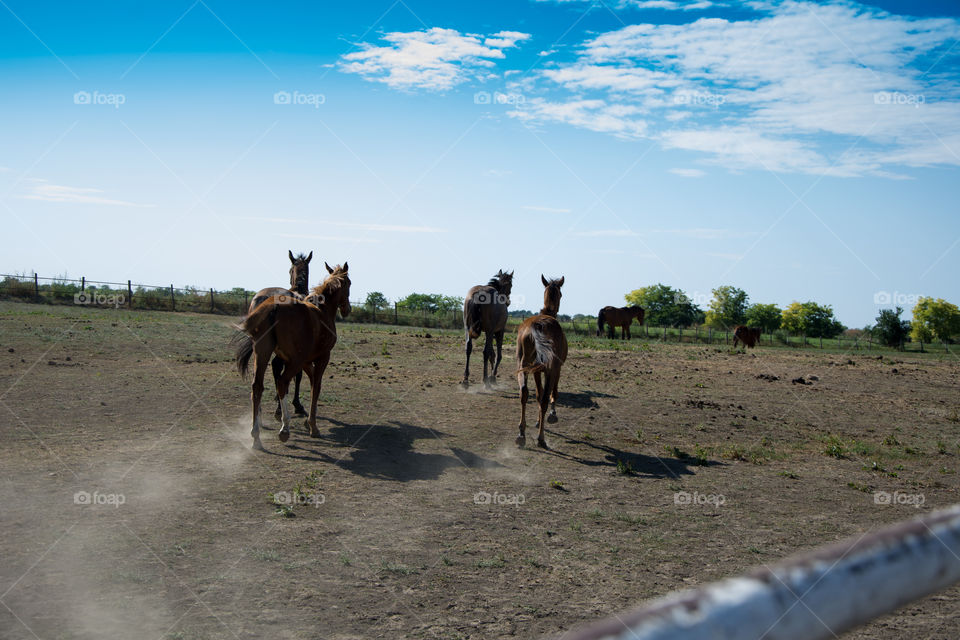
485	311
299	331
618	317
749	336
541	348
299	286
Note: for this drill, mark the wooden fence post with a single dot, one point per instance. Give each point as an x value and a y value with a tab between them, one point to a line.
173	302
396	317
36	286
83	284
211	301
129	295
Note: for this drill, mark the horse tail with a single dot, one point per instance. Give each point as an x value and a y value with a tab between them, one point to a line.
545	353
600	321
472	320
243	342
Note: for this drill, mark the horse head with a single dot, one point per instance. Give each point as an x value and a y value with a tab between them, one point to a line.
300	272
551	295
340	287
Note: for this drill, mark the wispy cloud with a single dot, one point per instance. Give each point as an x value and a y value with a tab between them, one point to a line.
47	192
545	209
434	59
791	89
607	233
362	226
308	236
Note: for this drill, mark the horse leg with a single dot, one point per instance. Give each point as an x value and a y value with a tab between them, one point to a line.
524	395
256	394
499	338
543	399
466	370
282	388
487	357
610	332
277	366
627	329
316	374
298	409
552	416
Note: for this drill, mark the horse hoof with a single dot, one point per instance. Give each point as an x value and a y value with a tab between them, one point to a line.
542	444
283	435
465	385
258	446
315	433
521	441
552	418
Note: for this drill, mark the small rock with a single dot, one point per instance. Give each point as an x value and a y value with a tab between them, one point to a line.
10	349
813	377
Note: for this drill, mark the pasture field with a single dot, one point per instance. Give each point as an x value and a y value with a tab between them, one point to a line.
133	506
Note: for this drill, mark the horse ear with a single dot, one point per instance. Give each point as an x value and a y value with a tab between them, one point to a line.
544	281
329	270
560	281
310	257
345	267
290	253
511	274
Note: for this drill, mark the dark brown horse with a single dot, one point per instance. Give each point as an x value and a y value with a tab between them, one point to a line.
485	311
299	286
541	349
618	317
749	336
299	331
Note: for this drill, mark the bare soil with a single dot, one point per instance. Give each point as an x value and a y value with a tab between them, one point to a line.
415	515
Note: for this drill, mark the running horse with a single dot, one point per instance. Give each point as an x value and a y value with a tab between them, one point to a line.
541	349
302	333
485	311
618	317
299	286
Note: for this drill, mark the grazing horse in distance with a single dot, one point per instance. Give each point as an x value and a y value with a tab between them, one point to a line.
301	332
619	317
299	287
749	336
541	349
485	311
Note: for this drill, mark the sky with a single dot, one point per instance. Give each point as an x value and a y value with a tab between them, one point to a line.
797	150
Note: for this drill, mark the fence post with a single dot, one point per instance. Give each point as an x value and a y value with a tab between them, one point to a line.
396	319
83	284
821	342
211	301
173	302
129	295
244	301
36	286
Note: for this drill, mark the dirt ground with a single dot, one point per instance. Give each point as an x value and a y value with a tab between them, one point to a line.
133	505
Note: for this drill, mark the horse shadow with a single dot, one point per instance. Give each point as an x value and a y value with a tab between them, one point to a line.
385	451
635	464
581	399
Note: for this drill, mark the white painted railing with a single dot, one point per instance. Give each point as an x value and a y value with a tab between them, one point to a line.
818	594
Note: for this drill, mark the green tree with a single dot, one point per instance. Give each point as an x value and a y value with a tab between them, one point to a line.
421	302
765	316
376	301
890	329
665	305
811	319
935	319
728	307
449	303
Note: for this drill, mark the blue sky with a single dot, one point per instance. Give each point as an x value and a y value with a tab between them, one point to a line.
800	151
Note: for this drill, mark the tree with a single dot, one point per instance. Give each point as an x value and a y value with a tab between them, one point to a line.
811	319
665	305
376	301
890	329
728	307
935	319
765	316
421	302
449	303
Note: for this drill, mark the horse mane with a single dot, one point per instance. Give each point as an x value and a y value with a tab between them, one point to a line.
497	281
329	287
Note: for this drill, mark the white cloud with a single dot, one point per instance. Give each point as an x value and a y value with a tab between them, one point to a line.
836	88
79	195
435	59
669	5
688	173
